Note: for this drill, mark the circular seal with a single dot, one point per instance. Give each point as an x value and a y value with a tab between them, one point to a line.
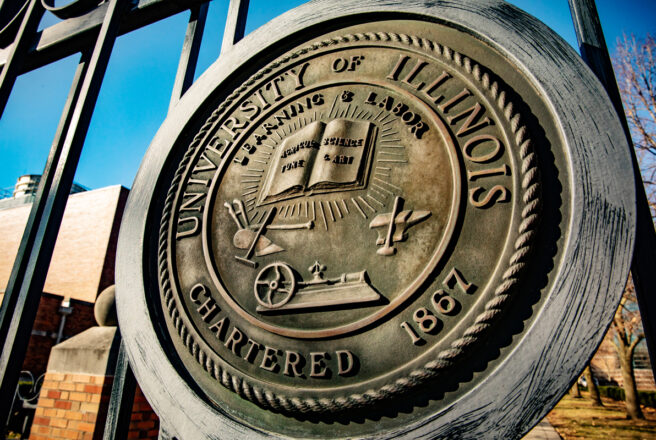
372	187
380	225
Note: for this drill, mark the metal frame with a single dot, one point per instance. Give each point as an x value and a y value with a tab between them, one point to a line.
93	34
555	345
595	53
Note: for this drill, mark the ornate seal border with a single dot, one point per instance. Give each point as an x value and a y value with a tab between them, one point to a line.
516	264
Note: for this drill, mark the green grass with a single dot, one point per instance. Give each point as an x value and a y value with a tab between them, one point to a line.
578	419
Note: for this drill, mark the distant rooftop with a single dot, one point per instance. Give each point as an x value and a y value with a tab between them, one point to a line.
24	192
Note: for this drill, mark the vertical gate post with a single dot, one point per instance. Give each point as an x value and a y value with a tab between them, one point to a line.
189	56
120	404
235	24
123	389
30	268
595	53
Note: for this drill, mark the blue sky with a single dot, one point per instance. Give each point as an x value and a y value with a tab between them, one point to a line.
134	98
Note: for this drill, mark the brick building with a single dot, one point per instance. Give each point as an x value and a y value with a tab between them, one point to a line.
606	366
82	266
82	263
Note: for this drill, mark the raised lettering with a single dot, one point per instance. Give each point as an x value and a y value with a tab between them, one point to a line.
296	109
292	361
202	182
233	343
253	348
416	340
318	367
263	101
345	362
218	146
498	193
268	128
443	303
394	74
356	60
434	85
339	65
273	85
413	73
232	126
196	291
503	170
386	103
186	206
426	321
241	160
471	144
419	129
456	278
298	77
473	113
218	327
249	107
209	166
269	359
189	232
208	309
444	108
281	117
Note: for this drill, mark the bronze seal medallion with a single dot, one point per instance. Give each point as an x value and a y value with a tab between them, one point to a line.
348	224
376	220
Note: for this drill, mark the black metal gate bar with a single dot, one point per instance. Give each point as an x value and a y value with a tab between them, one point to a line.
189	56
122	400
123	389
52	195
235	24
29	236
29	243
595	53
76	34
18	50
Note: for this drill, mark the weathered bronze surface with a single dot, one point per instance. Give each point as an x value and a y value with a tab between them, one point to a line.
397	220
348	224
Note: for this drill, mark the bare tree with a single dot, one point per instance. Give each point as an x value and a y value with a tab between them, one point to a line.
592	386
575	391
635	67
627	334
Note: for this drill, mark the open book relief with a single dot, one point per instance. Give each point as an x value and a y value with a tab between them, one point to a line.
321	157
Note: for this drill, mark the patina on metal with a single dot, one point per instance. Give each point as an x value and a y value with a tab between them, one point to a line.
312	262
375	227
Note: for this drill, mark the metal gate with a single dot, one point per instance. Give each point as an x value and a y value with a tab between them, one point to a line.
91	30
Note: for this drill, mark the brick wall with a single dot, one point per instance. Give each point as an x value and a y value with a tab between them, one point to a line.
71	406
144	423
47	321
74	407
